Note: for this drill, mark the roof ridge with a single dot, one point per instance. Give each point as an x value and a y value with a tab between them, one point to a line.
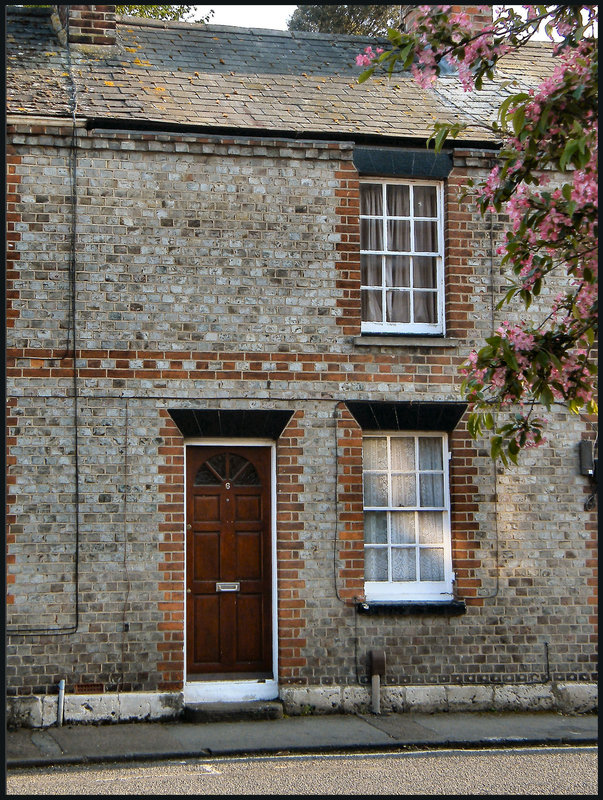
212	28
44	11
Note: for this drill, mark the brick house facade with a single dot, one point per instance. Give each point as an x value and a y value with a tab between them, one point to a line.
193	318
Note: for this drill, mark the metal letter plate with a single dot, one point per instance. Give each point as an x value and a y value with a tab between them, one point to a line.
228	587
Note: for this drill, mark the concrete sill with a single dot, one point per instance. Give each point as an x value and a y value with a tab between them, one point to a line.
405	341
448	608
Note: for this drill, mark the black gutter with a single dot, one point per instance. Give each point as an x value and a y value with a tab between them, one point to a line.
158	126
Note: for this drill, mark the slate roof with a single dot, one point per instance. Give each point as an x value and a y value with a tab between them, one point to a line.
230	78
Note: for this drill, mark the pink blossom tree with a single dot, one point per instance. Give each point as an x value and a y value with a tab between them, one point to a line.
546	182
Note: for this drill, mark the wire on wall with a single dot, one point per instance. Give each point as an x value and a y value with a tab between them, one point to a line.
70	348
124	627
494	467
336	530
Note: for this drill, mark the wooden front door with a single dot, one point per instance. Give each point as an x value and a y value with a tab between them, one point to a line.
228	563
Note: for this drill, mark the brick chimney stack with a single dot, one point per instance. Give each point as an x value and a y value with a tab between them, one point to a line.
87	27
478	18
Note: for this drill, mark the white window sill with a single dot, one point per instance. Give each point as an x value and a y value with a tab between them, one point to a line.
404	340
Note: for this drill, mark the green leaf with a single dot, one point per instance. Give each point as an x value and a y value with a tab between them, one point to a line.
513	99
406	53
578	92
440	138
509	358
364	76
574	406
395	37
568	152
555	361
566	191
518	119
473	426
546	396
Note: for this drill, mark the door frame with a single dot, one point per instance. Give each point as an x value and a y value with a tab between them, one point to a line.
238	690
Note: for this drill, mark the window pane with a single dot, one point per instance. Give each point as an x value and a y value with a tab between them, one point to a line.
403	527
398	235
375	490
404	475
425	272
398	201
431	529
248	477
374	453
425	201
372	308
205	477
403	453
404	567
431	563
398	306
375	564
371	199
371	270
397	271
403	490
431	488
219	464
430	453
375	527
426	237
425	307
371	234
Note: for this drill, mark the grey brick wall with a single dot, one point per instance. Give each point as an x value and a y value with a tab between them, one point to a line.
209	275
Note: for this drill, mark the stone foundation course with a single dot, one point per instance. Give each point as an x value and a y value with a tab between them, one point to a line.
565	698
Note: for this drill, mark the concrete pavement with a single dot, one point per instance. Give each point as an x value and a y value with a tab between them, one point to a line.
73	744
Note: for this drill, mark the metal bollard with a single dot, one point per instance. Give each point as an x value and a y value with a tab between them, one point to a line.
61	703
377	661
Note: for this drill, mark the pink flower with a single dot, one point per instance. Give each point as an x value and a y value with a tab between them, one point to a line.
365	59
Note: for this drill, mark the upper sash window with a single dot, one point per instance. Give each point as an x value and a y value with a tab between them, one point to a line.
402	256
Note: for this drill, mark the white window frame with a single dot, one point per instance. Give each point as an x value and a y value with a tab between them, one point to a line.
411	327
417	590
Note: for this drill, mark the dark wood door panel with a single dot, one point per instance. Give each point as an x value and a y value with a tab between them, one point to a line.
205	558
206	507
248	507
249	620
205	647
228	542
249	556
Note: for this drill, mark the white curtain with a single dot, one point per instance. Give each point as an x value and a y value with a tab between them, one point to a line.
426	241
371	237
398	200
410	281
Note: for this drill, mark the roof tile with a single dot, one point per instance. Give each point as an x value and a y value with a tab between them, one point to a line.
219	76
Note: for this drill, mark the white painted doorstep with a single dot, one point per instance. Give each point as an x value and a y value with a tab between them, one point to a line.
230	691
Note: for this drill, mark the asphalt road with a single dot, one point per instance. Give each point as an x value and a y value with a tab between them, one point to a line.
522	771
